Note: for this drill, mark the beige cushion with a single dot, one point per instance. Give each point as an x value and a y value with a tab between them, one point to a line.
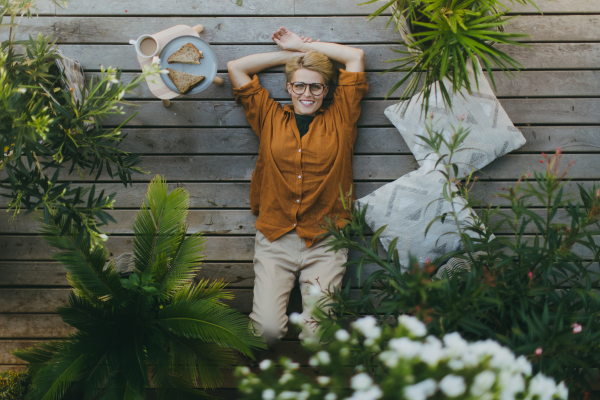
492	133
406	206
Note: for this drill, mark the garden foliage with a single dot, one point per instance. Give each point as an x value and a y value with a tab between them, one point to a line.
46	134
155	328
14	385
533	285
401	363
440	37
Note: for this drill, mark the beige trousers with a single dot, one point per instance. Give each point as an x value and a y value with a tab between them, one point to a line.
276	266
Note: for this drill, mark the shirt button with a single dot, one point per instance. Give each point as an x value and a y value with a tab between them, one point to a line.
299	150
299	176
297	200
294	224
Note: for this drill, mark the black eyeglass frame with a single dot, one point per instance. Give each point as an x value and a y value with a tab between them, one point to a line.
309	88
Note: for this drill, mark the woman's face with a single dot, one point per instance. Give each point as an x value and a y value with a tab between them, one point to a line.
306	103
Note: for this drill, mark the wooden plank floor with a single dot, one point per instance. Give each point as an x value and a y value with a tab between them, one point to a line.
203	142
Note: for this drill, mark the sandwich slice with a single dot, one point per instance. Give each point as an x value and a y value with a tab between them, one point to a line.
187	54
184	81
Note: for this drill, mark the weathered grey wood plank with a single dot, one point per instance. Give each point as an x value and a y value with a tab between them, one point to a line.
264	7
368	141
230	114
7	345
290	349
548	28
179	7
524	84
47	300
127	197
348	29
216	30
218	248
33	326
209	222
570	6
224	168
236	195
51	273
239	168
351	7
538	56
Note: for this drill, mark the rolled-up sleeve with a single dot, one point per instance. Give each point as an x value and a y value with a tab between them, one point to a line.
256	102
352	87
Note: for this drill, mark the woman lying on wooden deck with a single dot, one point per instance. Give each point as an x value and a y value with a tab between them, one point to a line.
305	153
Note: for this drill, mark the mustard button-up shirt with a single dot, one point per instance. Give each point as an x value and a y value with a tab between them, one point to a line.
297	180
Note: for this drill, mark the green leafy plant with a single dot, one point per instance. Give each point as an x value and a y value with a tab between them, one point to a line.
46	133
156	328
442	37
533	286
400	363
14	385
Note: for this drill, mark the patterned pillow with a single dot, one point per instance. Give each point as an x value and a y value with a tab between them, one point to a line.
407	206
492	133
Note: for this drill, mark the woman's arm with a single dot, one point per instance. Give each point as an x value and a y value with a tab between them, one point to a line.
241	69
351	57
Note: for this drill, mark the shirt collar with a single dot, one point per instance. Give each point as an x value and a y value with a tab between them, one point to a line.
289	108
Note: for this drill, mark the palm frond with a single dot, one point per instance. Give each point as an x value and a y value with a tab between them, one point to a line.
172	387
83	314
52	381
211	322
157	223
84	265
120	389
186	259
203	290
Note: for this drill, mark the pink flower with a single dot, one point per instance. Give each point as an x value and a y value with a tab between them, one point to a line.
530	275
538	351
576	327
427	261
598	193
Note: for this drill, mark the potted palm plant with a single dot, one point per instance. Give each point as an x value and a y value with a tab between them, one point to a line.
156	328
442	37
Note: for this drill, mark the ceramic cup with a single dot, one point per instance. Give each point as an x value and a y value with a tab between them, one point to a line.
146	46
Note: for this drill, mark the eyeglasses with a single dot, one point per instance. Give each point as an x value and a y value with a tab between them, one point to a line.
315	88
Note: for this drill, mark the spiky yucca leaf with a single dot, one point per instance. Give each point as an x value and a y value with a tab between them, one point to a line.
158	222
209	321
84	265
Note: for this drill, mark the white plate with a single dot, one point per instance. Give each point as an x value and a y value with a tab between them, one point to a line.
207	66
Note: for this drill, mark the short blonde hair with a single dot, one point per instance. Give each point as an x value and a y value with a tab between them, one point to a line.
314	61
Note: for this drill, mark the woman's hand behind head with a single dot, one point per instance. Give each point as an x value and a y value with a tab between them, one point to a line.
287	40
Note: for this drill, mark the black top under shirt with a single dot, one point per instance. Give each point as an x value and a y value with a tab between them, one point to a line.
303	122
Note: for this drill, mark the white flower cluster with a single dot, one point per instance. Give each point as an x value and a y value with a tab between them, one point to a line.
501	372
482	370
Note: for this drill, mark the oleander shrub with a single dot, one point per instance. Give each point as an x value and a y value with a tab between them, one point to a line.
532	284
51	130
